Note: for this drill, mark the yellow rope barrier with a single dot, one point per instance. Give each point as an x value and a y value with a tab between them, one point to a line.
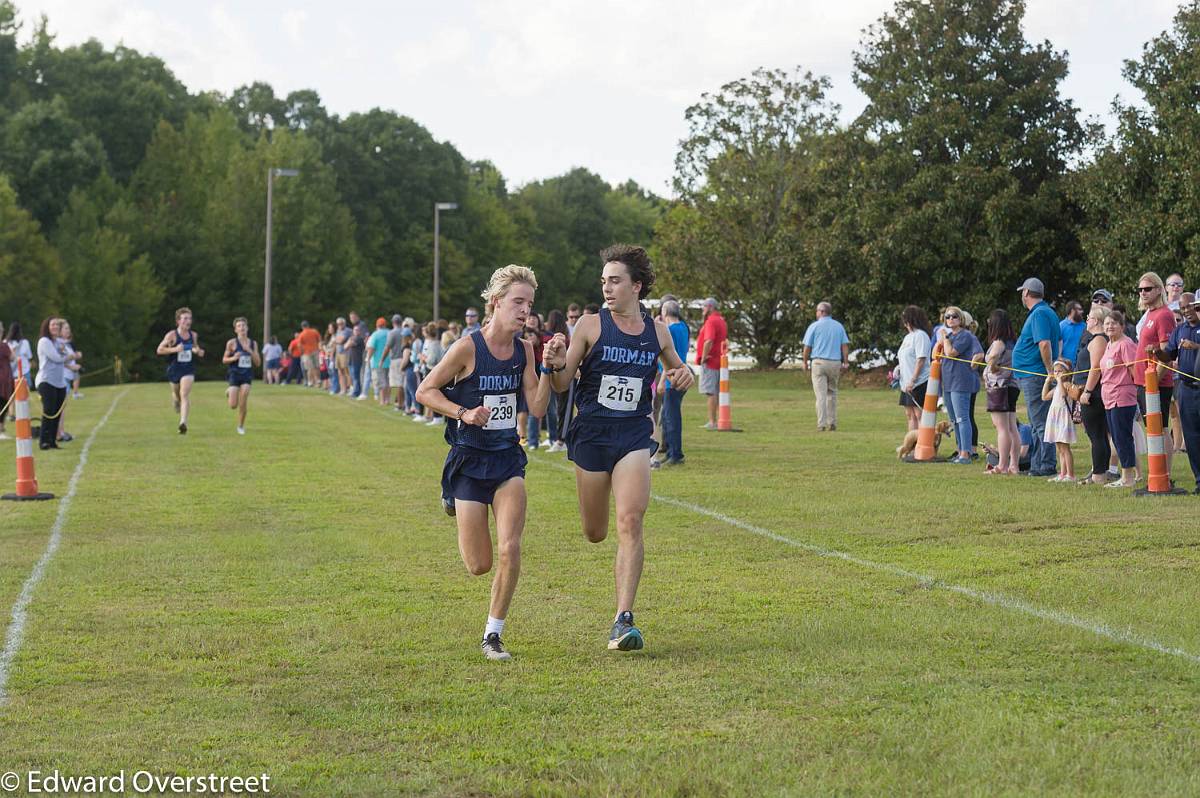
1073	373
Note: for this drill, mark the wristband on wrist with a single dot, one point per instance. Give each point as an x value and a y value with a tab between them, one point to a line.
461	411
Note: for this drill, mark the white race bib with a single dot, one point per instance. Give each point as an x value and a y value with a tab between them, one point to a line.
620	393
185	356
244	361
504	411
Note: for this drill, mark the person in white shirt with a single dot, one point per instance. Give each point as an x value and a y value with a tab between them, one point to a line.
914	363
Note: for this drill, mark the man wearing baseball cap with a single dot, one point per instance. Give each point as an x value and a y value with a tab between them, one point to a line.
1036	350
380	358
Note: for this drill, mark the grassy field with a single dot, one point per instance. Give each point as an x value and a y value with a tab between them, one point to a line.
293	602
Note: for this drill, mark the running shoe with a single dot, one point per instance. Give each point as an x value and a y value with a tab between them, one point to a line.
557	446
183	428
66	438
655	464
625	636
241	430
419	419
493	648
448	506
77	395
4	436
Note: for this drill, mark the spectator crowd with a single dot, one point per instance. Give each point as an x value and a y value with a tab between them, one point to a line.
1087	368
386	361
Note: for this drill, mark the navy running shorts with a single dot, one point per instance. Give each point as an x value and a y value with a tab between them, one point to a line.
240	377
177	371
474	475
598	444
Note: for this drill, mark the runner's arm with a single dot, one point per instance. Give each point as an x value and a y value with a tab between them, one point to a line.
227	357
535	384
171	348
587	330
429	393
255	357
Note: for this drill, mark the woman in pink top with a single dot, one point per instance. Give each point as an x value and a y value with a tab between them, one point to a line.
1119	391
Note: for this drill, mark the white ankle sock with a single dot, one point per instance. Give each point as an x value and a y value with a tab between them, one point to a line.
493	625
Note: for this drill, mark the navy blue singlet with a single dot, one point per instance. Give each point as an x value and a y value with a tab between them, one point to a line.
496	384
617	373
240	374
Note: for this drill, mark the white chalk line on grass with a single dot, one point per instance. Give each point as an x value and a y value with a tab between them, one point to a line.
20	610
1126	636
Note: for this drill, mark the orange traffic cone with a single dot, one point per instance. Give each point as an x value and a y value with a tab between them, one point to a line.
927	430
724	409
1158	483
27	487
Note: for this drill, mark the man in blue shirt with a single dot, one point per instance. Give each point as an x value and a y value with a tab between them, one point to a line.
1037	348
1184	345
672	417
1071	330
826	356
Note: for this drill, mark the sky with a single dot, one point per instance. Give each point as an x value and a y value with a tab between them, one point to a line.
541	87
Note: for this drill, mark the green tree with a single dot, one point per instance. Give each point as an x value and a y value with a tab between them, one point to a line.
744	228
959	188
30	270
1139	195
47	153
110	293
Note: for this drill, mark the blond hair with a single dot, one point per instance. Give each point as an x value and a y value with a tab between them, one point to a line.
503	279
1151	277
1098	312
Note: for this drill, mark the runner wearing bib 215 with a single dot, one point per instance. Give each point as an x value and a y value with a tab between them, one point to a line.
610	440
480	385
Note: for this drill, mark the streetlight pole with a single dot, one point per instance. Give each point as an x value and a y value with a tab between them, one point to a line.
271	175
438	207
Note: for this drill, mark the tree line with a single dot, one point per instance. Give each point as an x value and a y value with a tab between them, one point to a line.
124	195
966	172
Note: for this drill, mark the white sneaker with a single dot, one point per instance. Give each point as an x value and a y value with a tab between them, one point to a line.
4	436
241	430
546	444
437	421
557	446
77	395
419	419
362	397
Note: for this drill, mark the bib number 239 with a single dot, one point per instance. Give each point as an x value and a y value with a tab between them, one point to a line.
503	409
620	393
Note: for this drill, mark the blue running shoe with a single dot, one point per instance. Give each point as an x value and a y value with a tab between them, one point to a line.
625	636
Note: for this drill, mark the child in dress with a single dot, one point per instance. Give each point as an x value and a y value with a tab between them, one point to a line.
1060	427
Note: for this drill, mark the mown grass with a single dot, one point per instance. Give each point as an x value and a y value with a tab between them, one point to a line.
293	602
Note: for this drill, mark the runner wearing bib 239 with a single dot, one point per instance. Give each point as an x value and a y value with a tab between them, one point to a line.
479	385
610	439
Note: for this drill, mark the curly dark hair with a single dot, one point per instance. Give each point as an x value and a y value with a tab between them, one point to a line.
636	261
914	317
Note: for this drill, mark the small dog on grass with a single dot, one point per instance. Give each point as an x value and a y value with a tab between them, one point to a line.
910	440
